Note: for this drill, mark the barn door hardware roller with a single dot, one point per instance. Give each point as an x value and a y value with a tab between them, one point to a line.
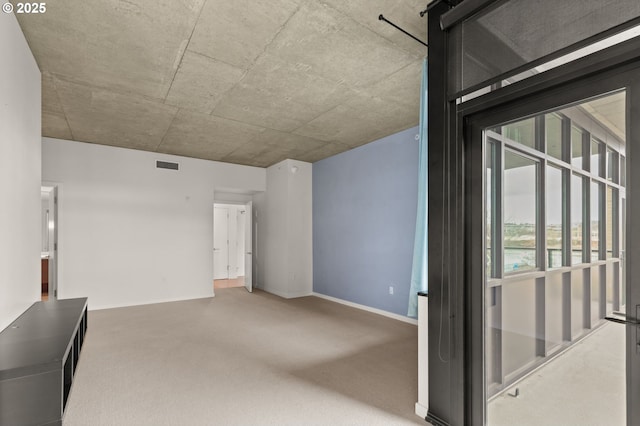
433	4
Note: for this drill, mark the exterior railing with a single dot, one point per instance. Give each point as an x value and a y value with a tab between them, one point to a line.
524	258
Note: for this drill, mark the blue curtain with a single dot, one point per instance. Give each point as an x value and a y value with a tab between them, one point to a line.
419	270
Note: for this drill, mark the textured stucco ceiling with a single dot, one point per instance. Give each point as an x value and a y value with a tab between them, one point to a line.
247	82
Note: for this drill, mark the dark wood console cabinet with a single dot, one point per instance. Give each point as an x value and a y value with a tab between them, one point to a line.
39	353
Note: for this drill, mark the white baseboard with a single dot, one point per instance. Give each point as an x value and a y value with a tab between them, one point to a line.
422	405
421	410
367	308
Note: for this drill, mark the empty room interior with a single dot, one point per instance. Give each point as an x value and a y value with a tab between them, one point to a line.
319	212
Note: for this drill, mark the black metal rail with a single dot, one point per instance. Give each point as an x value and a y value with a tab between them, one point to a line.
382	18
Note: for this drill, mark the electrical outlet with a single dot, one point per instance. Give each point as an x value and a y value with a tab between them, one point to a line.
390	289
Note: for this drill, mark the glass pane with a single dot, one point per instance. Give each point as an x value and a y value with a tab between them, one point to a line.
623	171
576	148
623	245
553	135
513	33
576	219
595	158
612	160
554	217
610	220
522	132
520	177
595	221
490	216
535	313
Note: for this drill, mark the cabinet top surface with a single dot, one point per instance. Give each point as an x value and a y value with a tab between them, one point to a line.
40	337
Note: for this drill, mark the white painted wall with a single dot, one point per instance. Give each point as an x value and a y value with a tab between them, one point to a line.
259	222
285	264
220	246
300	238
272	232
20	234
130	233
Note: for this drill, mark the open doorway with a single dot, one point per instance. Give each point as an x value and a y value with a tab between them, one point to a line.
232	246
49	248
554	257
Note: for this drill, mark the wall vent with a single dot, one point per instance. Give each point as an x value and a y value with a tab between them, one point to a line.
166	165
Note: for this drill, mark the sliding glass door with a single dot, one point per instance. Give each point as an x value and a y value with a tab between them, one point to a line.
560	343
553	213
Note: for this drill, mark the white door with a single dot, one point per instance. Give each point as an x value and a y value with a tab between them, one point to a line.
220	243
248	247
53	250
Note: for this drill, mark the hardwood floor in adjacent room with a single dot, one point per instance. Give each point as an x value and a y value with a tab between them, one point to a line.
230	283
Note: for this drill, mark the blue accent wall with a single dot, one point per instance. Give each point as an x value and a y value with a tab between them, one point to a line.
364	218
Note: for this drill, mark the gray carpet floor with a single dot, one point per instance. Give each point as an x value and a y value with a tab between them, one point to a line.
245	359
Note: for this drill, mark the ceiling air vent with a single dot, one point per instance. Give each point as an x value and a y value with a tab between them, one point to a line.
166	165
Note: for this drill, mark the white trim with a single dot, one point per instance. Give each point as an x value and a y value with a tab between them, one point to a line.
367	308
421	410
422	406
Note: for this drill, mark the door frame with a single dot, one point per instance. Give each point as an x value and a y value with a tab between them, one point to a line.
606	71
54	262
217	206
248	246
250	224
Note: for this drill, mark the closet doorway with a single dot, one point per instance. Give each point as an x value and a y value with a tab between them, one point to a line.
49	249
232	246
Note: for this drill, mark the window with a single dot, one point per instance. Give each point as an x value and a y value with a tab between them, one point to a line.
595	220
520	218
609	222
553	135
553	217
576	219
576	148
522	132
580	175
595	158
612	160
554	199
490	208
